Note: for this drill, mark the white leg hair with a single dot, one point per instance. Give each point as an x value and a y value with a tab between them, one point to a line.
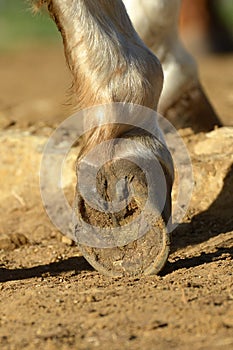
156	21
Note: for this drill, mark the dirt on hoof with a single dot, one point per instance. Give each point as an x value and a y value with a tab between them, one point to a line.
51	298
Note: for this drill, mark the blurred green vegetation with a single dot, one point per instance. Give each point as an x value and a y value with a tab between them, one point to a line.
225	9
19	27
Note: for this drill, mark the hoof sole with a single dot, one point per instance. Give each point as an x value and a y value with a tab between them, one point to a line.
144	256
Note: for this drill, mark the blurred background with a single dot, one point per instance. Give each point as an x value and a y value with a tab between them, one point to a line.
34	79
207	25
21	29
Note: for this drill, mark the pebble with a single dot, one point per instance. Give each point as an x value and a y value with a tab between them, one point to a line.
67	241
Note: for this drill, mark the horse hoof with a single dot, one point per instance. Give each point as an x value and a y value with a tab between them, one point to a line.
146	255
193	110
132	238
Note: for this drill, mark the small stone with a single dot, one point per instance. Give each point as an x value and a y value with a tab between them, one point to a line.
54	234
67	241
90	299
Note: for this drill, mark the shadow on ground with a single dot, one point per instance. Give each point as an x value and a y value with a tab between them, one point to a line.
203	258
76	264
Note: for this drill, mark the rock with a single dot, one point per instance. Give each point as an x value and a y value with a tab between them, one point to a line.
217	143
21	208
21	154
212	161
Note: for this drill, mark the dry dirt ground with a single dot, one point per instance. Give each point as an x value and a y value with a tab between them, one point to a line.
51	298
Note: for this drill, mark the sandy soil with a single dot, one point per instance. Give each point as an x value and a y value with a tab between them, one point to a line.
51	298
